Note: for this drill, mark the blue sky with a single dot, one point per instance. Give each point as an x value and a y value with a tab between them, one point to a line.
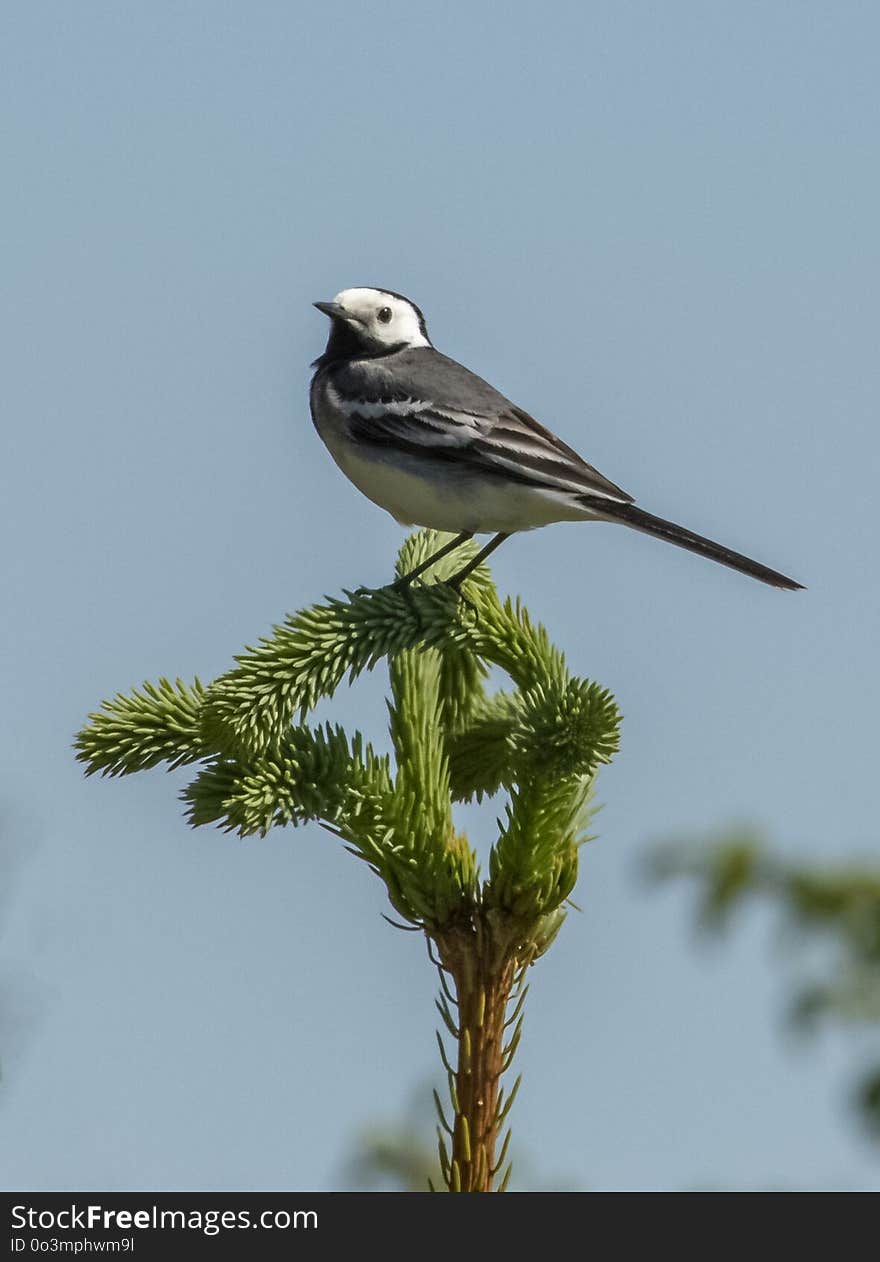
655	227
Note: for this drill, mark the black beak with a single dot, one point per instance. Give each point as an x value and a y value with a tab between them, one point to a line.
332	309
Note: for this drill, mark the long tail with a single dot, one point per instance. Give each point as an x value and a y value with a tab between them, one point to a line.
630	515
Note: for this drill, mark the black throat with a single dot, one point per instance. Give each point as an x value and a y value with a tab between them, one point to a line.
345	342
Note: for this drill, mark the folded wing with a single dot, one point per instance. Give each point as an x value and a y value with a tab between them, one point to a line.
510	445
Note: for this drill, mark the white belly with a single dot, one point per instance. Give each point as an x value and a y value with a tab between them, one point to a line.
445	500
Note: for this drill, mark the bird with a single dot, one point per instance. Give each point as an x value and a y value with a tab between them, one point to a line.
435	445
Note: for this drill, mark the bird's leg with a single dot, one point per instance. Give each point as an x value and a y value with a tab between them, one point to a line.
435	556
457	579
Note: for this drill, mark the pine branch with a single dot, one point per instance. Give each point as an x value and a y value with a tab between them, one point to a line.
505	635
158	723
423	802
312	652
309	655
561	727
423	805
542	741
481	751
312	775
533	865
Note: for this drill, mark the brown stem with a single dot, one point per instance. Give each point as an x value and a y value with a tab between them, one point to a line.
484	978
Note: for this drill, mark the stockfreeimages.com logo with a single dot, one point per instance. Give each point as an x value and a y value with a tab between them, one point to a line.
208	1221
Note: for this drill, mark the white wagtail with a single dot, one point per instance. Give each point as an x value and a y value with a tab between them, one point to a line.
435	445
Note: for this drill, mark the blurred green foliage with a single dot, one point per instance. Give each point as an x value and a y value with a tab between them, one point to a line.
397	1156
836	905
400	1155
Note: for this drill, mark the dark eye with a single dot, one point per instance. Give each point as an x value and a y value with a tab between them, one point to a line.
384	315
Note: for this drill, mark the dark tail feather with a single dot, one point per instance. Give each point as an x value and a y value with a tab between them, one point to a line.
630	515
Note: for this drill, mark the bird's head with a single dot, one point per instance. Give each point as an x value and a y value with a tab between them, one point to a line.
371	322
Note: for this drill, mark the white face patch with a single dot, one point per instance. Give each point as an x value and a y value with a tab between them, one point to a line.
371	307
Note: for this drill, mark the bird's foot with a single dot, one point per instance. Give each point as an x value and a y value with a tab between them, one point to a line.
454	585
407	591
